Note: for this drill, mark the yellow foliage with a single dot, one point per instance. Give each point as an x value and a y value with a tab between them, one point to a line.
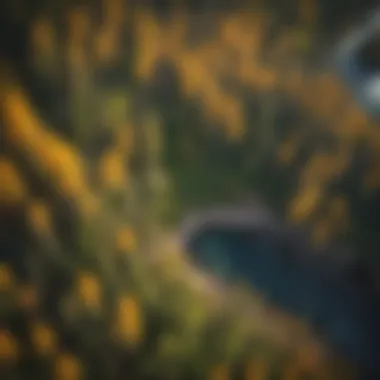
89	290
112	169
6	277
126	240
9	349
39	217
13	189
304	205
63	163
307	361
353	123
79	29
129	321
43	338
198	80
22	128
194	76
42	37
230	30
256	369
323	97
319	169
241	36
148	50
47	151
114	11
242	39
67	367
125	139
215	58
89	205
220	372
107	45
79	24
257	77
243	32
287	150
173	36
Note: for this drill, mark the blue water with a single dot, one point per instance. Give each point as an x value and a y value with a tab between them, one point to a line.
341	310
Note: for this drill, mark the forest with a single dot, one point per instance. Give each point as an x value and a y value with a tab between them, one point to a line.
119	117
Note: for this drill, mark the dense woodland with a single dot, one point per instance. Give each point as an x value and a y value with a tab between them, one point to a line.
117	117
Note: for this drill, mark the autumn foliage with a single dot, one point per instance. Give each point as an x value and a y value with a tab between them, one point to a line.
89	121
